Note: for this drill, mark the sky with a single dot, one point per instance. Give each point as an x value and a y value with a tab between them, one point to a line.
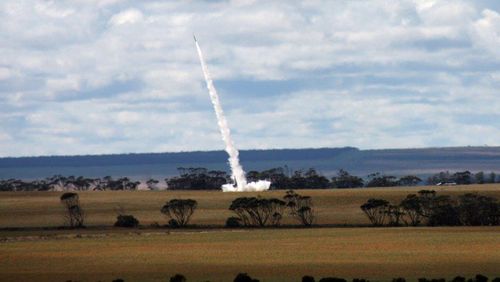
111	76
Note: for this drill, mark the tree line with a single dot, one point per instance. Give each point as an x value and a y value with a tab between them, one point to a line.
61	183
248	211
284	178
281	178
429	208
244	277
424	208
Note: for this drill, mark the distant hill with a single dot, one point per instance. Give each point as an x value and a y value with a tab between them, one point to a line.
396	162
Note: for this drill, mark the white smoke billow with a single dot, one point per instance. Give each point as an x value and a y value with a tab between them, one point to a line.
237	172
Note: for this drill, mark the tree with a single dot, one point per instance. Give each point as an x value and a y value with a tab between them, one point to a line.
426	200
477	210
409	180
463	177
300	207
257	211
442	177
197	178
492	177
309	179
395	213
152	183
376	210
479	177
345	180
74	212
180	210
278	177
378	180
443	212
412	208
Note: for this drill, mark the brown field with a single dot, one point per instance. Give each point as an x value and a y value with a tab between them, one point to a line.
270	255
103	253
333	206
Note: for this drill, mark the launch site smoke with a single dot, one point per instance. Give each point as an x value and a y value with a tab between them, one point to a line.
237	172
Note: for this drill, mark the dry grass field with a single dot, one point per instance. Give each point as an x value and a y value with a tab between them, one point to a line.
270	255
103	253
333	206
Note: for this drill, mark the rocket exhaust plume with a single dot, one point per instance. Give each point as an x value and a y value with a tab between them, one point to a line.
237	172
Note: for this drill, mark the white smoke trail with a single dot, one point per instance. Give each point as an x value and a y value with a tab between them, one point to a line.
237	172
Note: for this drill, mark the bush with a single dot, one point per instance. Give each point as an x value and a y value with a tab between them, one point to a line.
178	278
458	279
399	279
126	221
308	278
233	222
119	280
243	277
173	223
332	279
481	278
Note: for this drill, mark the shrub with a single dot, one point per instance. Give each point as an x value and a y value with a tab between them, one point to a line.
243	277
308	278
458	279
126	221
173	223
481	278
178	278
118	280
233	222
332	279
399	279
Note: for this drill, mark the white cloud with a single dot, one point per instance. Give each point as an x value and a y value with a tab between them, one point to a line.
5	73
487	30
129	16
118	76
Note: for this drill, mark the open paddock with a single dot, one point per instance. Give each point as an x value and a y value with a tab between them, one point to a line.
333	206
379	254
38	251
